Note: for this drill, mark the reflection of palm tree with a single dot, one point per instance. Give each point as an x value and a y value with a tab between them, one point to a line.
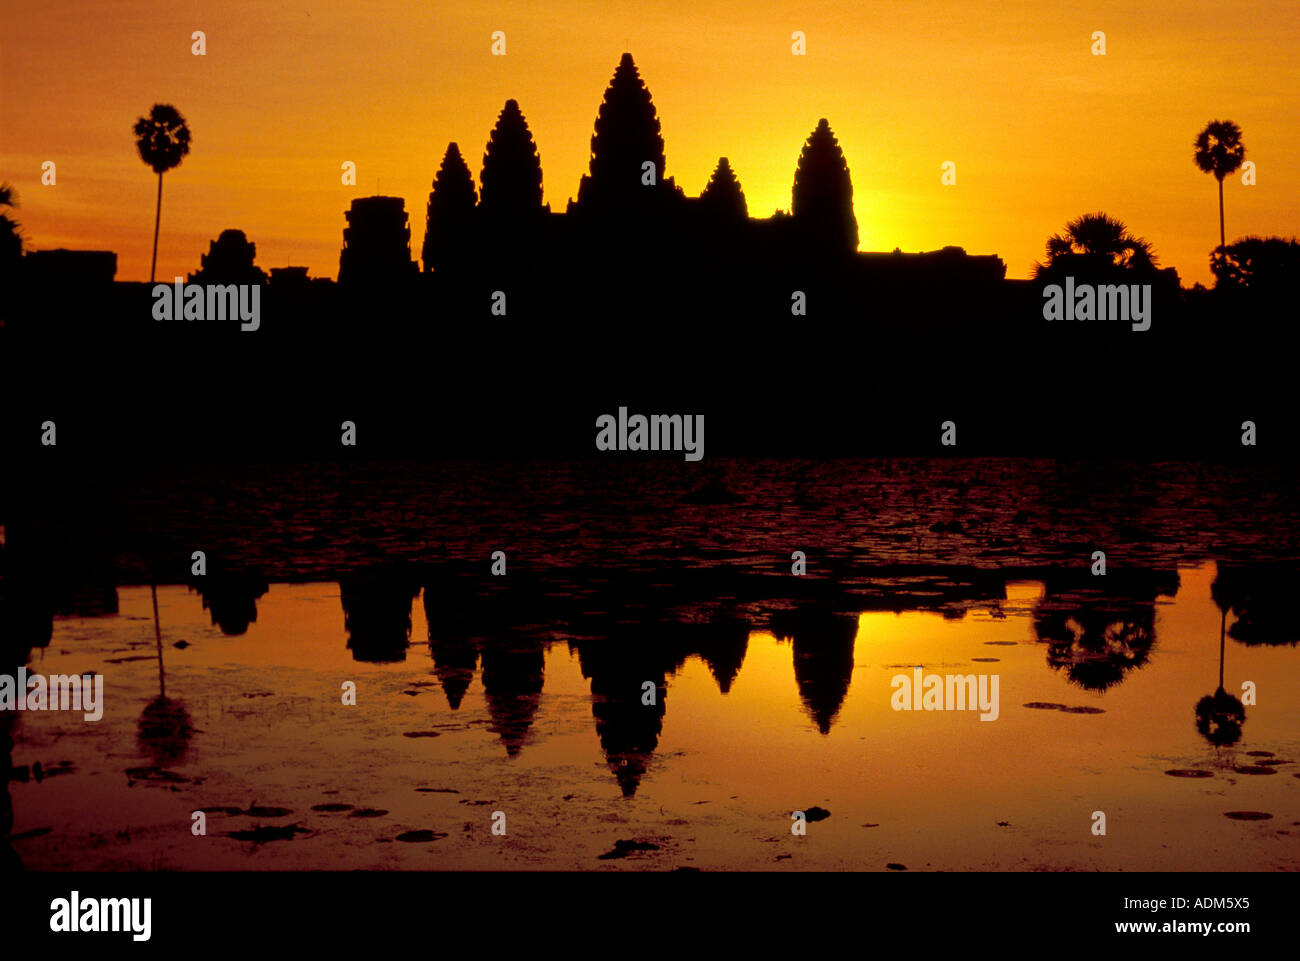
1219	716
164	728
163	140
1102	238
1261	598
1097	638
1096	648
1219	151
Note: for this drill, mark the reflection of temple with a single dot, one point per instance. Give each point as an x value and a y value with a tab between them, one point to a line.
628	728
231	600
513	669
377	614
454	662
723	650
823	658
60	572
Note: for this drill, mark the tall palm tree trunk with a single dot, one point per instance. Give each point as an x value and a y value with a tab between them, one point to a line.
1222	627
157	630
157	219
1221	207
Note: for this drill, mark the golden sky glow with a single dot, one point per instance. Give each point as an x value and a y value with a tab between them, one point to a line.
1039	128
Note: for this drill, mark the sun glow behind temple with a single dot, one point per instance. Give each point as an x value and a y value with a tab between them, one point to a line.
277	106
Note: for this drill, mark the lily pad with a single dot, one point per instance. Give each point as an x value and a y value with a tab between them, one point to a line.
271	832
623	848
414	837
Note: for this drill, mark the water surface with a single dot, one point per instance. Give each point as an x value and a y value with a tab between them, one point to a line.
546	723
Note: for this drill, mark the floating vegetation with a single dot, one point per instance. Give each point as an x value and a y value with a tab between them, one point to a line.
623	848
413	837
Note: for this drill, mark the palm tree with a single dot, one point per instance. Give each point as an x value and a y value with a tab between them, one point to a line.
163	139
1219	151
1102	237
11	238
11	247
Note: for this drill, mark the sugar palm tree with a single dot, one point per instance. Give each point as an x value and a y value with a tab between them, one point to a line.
1219	151
11	238
1102	237
163	140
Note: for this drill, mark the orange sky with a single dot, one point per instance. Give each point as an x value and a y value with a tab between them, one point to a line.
1039	128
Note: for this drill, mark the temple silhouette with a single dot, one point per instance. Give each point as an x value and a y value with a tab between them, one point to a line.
630	223
627	213
503	289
